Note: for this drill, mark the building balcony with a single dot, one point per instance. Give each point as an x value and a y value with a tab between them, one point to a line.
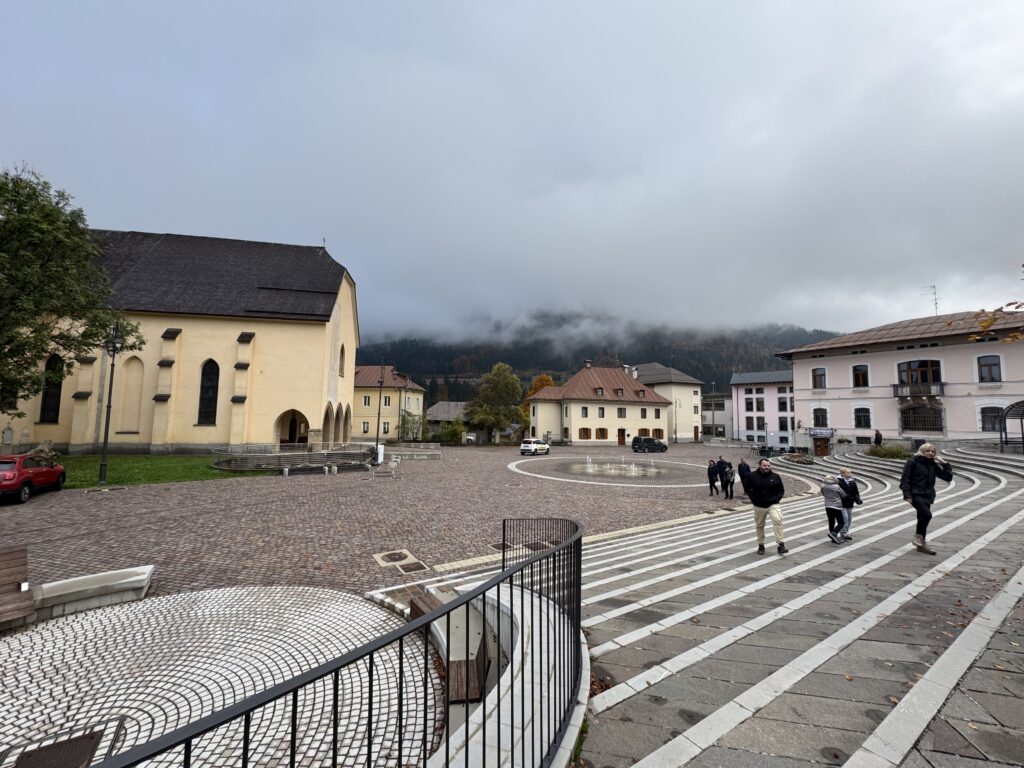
935	389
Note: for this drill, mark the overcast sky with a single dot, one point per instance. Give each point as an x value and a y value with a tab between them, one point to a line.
684	163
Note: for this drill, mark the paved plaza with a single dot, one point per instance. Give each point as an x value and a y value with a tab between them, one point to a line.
703	653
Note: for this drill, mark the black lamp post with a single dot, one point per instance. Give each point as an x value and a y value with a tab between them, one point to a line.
112	345
380	398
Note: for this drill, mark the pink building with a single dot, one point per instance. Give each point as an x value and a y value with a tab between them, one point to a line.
762	408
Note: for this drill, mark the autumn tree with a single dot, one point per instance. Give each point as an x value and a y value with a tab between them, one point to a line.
538	383
53	294
497	401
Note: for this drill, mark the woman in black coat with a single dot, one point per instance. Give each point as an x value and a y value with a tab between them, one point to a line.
712	477
918	486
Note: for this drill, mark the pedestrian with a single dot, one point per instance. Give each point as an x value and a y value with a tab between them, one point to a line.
744	471
729	480
765	490
721	465
878	438
918	486
833	507
712	477
848	484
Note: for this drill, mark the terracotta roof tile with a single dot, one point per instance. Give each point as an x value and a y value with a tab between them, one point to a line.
586	384
369	376
956	324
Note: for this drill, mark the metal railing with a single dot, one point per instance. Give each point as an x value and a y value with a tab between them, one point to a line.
390	701
262	456
935	389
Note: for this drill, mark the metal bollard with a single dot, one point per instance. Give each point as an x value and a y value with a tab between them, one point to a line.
284	471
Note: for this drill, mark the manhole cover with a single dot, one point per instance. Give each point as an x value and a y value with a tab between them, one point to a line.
394	557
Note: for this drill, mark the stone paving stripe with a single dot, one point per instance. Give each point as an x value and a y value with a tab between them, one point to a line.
838	640
896	735
722	724
774	579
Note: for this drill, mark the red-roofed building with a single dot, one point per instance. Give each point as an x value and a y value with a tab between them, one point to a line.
399	399
598	406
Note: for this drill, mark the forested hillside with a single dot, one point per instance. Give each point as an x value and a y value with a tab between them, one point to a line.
711	356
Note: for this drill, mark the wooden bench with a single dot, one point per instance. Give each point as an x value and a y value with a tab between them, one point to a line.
14	603
467	667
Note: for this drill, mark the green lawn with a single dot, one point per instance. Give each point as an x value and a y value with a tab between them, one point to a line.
126	469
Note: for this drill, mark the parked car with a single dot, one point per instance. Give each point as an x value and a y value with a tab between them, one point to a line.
534	445
648	445
24	474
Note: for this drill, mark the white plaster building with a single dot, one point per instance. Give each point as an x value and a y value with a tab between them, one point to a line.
936	379
683	393
762	408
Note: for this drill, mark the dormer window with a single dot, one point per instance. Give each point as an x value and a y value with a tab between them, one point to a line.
618	392
599	391
640	393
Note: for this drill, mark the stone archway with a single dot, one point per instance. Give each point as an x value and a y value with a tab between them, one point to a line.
327	430
346	435
292	427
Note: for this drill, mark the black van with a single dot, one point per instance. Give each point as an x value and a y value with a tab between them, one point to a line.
648	444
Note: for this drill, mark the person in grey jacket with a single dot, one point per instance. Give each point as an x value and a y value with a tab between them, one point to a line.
834	496
848	484
918	486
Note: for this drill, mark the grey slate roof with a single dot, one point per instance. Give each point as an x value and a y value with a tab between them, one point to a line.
656	373
446	410
762	377
182	274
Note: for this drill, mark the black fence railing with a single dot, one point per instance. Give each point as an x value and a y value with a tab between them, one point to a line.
489	678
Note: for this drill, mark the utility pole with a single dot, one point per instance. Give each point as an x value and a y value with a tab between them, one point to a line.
930	289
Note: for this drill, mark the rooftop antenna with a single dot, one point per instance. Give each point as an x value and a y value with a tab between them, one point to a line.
930	289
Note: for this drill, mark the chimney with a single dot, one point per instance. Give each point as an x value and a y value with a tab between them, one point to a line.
586	363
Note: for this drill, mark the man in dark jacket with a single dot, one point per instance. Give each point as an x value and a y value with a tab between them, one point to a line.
722	465
878	437
765	490
918	486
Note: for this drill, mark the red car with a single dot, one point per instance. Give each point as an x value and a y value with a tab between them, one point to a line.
23	475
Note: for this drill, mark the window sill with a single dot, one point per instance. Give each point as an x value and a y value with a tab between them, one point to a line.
992	385
819	391
204	425
126	433
861	389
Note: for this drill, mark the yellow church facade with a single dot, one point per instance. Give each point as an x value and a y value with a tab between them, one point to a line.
245	343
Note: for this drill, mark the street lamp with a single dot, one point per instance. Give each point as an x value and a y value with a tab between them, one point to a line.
714	389
112	345
380	399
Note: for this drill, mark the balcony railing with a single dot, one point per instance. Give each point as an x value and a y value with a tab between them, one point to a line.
918	390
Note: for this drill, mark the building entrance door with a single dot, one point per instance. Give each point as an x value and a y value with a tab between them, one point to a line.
821	446
622	437
696	434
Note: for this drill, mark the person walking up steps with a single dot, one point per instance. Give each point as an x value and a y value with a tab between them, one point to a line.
765	490
834	498
848	485
712	477
918	486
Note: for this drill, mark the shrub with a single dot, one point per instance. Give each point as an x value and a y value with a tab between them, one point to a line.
798	458
888	452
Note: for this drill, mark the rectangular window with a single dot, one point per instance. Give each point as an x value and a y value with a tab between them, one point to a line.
385	427
783	440
602	433
989	371
862	418
750	438
860	376
760	423
657	413
750	422
782	404
781	390
533	431
618	392
584	411
818	378
991	418
622	413
643	432
643	413
366	427
599	391
659	433
600	412
749	404
565	433
820	417
791	408
759	405
760	438
366	401
696	410
748	391
862	440
640	393
783	424
792	424
759	391
387	401
584	433
533	411
567	411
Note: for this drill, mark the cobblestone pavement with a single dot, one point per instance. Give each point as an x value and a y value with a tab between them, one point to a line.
142	669
317	530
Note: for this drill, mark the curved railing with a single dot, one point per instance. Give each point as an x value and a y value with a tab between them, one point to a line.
390	702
